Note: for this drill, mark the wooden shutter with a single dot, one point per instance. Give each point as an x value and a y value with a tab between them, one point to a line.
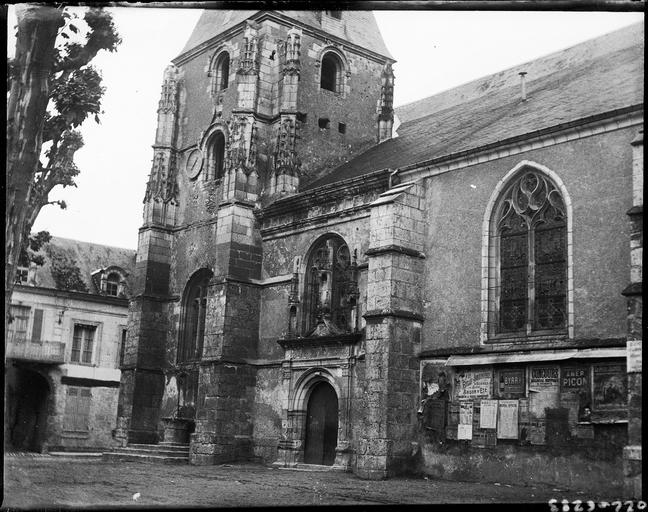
77	409
70	409
38	325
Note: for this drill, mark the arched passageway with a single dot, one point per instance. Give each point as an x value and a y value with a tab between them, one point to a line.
321	425
28	396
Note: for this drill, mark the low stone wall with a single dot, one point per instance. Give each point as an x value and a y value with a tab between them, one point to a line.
527	465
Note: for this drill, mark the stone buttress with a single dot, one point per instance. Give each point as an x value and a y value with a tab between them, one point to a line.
142	380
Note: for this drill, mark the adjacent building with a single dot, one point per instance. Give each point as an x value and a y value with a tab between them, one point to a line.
63	347
312	287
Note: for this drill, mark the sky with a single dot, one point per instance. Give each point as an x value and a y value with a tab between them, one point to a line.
434	50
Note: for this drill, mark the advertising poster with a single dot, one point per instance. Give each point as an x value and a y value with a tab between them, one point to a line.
507	419
543	376
436	379
511	383
633	357
544	390
464	431
610	387
465	413
575	394
488	417
474	383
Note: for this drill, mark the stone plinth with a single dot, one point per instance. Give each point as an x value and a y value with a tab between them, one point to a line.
177	430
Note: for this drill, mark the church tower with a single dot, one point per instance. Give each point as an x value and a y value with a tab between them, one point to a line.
257	105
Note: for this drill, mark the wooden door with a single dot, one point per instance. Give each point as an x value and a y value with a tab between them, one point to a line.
321	425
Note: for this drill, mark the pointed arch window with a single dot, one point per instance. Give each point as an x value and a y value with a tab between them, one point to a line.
331	76
529	241
194	312
331	289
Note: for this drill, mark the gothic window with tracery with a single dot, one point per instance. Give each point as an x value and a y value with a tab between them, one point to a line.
331	77
331	290
194	309
531	241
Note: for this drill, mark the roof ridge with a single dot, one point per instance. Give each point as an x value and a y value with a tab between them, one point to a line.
90	243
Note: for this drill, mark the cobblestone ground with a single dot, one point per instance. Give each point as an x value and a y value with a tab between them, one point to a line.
45	481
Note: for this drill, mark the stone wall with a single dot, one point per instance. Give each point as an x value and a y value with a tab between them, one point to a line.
586	467
596	173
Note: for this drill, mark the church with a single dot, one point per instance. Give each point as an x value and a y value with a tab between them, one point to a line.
450	287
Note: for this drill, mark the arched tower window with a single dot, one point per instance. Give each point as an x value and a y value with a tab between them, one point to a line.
222	71
194	309
219	72
331	77
331	289
112	284
216	156
529	253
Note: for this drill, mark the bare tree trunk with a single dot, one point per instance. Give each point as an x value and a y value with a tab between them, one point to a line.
28	98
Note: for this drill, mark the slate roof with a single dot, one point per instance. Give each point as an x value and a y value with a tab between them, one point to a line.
88	257
592	78
357	27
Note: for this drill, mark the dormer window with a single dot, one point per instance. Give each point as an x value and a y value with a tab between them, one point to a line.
112	284
331	78
22	275
334	14
110	281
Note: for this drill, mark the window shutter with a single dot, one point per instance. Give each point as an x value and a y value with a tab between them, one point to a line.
70	409
38	325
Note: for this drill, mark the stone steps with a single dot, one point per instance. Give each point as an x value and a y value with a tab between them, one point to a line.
311	467
164	453
77	455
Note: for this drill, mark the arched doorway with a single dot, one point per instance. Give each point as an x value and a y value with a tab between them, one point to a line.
321	425
29	397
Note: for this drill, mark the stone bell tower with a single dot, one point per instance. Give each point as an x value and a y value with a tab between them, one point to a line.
257	105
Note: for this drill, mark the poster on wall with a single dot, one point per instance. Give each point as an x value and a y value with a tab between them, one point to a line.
544	389
610	391
465	413
543	377
511	383
436	379
488	417
474	383
575	393
507	419
464	431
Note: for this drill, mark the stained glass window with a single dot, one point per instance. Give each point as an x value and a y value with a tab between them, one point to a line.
532	236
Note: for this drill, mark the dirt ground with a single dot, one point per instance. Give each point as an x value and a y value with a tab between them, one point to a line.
36	482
